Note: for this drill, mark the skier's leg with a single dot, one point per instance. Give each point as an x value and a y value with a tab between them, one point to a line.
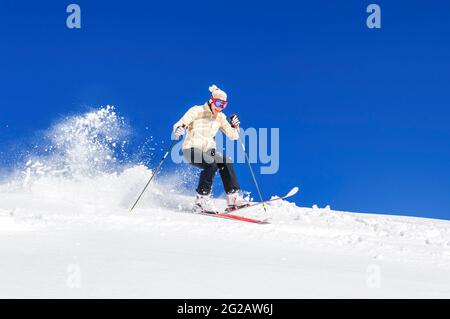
230	182
226	170
205	162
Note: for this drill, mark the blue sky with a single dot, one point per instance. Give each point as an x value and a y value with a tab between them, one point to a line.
363	114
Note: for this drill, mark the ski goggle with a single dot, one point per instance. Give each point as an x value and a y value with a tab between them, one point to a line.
219	103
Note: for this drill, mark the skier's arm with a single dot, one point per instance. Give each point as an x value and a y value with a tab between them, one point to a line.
230	132
187	118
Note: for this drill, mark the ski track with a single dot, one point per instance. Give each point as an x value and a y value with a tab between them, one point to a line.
160	251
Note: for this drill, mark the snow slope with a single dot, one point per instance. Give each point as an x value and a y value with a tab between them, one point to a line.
65	232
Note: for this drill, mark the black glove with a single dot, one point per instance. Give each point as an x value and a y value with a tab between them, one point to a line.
234	121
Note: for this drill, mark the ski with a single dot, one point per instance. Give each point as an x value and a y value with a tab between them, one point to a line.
226	214
291	193
236	217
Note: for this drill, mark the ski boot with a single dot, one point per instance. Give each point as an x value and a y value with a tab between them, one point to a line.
204	204
235	201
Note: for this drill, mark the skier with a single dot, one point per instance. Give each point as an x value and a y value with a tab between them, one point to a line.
199	149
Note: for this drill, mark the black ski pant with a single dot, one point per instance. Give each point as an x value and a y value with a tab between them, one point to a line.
210	162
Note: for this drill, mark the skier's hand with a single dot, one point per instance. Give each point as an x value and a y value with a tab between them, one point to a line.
180	130
234	121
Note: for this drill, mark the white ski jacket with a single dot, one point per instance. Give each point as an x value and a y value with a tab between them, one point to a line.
202	126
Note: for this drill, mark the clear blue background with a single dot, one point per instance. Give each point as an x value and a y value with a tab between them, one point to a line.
363	114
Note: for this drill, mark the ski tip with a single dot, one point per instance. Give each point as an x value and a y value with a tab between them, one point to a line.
292	192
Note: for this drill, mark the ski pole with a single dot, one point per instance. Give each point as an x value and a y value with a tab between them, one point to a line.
153	175
251	171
